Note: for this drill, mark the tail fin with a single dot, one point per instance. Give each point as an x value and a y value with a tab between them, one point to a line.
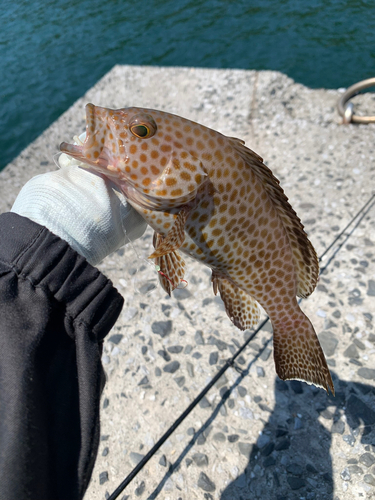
298	354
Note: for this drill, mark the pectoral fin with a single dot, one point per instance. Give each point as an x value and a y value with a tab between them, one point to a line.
241	308
180	179
175	236
171	267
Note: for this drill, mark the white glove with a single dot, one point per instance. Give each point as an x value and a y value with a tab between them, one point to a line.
81	207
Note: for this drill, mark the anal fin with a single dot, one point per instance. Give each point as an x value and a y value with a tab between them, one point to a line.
298	354
175	236
171	267
241	308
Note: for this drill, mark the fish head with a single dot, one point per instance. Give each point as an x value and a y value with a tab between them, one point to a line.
136	148
109	136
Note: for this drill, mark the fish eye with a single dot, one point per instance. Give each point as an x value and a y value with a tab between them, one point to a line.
140	130
143	126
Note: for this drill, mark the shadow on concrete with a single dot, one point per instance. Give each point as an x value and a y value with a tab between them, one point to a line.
291	458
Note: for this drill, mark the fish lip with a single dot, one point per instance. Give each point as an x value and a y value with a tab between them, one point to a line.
72	150
94	114
79	151
90	121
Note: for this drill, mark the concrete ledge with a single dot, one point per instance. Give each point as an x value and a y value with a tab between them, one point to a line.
311	445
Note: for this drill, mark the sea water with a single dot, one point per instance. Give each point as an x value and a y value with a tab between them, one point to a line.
52	51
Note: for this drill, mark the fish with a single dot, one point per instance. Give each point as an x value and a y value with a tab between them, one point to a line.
210	197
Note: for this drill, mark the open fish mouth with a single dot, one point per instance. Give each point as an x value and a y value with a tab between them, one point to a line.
77	149
90	150
73	150
66	159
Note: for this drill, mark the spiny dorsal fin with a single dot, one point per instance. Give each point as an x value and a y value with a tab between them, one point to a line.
304	254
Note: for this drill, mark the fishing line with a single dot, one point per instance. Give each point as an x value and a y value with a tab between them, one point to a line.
182	282
230	362
137	288
56	157
182	417
359	215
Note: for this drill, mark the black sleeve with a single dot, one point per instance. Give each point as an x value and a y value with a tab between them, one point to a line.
55	310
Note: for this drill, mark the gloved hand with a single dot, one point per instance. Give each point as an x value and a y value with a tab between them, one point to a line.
81	207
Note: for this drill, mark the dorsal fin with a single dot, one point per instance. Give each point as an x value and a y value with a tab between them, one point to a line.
305	258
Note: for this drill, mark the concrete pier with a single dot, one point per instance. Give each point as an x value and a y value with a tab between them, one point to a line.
253	436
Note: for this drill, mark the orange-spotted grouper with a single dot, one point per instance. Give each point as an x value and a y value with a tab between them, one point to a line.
208	196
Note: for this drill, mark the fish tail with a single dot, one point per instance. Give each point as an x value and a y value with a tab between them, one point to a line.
298	353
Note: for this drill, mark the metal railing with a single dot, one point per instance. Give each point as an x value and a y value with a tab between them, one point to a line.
346	108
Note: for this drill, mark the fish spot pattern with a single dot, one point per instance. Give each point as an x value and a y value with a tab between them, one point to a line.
171	265
235	219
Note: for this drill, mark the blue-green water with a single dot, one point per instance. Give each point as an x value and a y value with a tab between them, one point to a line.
52	51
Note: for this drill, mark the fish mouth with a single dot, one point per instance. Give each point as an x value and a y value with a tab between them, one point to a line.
94	129
73	150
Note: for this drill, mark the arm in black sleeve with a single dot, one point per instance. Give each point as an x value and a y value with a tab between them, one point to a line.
55	310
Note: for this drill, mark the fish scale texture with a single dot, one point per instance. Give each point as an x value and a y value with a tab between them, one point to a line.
213	199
